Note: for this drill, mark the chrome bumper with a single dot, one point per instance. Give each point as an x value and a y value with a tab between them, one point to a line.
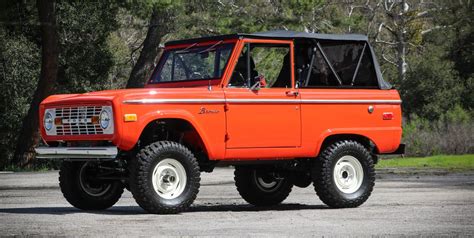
109	152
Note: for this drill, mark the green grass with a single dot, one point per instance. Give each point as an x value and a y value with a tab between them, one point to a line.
447	162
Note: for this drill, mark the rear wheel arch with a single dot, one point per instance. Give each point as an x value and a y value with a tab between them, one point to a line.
365	141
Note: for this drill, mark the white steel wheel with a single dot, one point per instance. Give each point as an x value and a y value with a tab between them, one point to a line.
348	174
169	178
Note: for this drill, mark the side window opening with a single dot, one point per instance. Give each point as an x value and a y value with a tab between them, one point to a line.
336	64
320	73
242	70
268	64
365	76
344	57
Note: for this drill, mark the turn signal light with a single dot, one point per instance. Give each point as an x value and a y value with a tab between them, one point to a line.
95	120
130	117
58	121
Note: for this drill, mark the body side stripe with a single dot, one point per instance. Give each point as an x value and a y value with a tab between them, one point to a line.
253	101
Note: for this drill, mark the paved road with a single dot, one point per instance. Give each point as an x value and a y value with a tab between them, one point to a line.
31	204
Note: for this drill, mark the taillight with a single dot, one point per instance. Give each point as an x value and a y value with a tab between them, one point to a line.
387	115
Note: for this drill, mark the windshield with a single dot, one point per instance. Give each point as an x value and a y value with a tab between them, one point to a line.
193	63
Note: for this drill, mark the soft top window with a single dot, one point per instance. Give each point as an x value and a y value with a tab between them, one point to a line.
337	64
193	63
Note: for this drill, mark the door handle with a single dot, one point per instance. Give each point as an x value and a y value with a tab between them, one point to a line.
292	93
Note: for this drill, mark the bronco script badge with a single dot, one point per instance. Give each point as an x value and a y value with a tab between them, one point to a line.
203	110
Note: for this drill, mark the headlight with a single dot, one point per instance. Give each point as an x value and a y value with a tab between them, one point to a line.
48	121
104	119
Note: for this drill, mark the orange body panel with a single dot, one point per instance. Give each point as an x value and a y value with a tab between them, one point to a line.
269	123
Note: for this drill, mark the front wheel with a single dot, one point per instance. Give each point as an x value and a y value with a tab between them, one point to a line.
261	186
344	174
83	189
164	178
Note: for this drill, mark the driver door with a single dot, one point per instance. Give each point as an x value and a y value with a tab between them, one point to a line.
263	108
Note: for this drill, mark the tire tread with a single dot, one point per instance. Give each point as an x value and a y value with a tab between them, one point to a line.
139	168
323	178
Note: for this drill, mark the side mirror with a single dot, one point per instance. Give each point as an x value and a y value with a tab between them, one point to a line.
259	82
255	86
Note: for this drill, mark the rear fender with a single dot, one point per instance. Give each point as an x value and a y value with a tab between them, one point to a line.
382	138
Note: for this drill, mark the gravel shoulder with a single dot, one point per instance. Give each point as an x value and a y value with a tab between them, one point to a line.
402	204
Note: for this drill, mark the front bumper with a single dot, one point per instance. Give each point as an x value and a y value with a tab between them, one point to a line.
108	152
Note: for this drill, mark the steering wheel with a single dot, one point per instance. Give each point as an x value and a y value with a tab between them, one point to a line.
196	75
238	79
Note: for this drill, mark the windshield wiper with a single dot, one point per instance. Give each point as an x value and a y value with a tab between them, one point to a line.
211	47
185	49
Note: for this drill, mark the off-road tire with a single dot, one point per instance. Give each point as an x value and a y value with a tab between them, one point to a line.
322	175
75	194
141	169
244	177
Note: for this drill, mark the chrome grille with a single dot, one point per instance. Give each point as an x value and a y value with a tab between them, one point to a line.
79	120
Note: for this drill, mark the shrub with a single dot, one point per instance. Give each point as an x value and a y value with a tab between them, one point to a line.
453	133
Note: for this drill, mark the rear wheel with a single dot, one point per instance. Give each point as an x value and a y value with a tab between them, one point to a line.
83	189
261	186
344	175
164	178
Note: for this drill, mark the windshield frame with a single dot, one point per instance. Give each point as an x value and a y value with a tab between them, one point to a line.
209	44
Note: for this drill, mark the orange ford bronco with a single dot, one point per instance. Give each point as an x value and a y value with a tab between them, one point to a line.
284	108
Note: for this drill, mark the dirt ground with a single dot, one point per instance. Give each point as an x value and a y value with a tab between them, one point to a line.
412	205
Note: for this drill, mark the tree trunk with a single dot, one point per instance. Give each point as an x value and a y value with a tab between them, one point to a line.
160	25
401	59
29	135
402	39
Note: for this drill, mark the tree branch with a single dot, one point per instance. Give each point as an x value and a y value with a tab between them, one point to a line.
432	29
388	60
385	42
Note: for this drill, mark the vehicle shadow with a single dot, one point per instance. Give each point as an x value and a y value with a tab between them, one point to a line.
250	208
135	210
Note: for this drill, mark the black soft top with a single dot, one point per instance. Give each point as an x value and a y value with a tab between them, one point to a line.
283	34
280	34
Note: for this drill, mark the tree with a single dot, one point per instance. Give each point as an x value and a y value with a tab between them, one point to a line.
459	21
432	87
401	25
19	64
85	58
161	23
29	135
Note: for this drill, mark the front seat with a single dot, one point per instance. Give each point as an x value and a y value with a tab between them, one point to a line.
284	77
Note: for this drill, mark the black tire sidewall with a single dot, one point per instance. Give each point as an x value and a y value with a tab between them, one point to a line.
245	182
69	181
323	174
141	177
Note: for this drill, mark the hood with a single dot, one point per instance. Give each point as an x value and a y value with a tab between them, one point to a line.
91	97
119	95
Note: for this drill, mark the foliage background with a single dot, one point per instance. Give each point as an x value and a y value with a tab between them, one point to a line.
425	49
